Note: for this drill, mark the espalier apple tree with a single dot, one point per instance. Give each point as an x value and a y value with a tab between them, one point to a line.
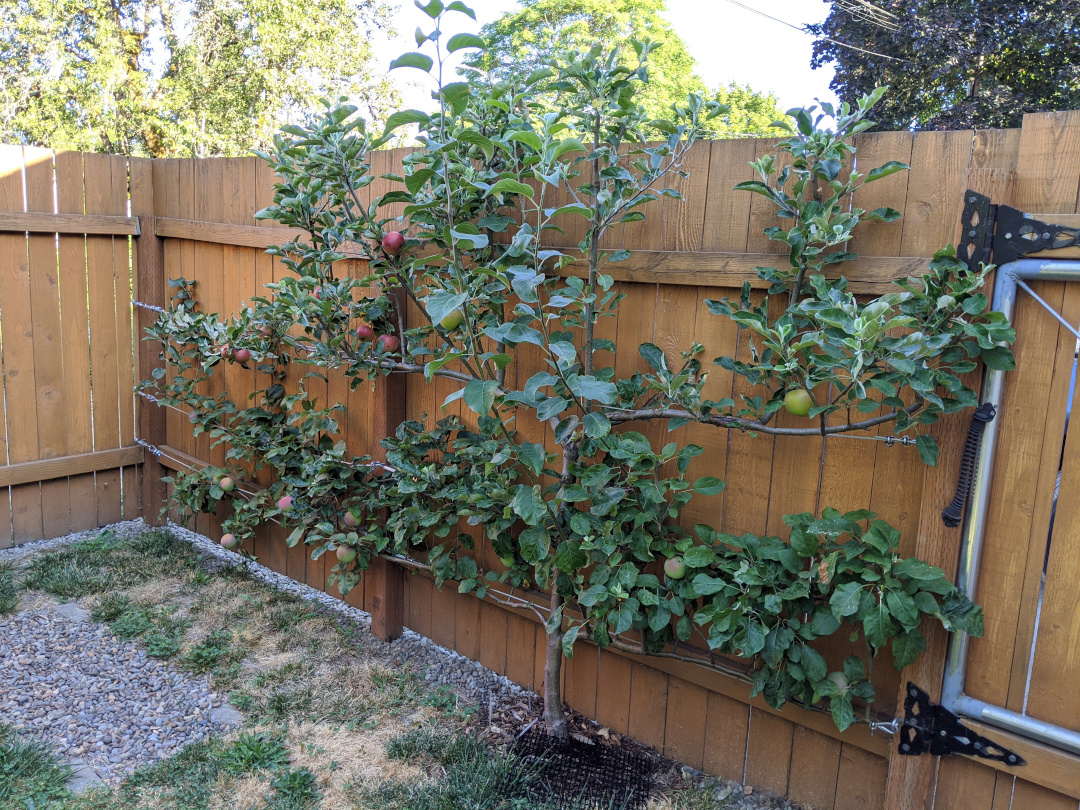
590	520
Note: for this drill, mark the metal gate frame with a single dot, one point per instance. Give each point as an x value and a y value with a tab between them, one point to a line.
1010	278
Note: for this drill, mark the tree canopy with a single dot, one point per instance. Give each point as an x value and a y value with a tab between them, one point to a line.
527	38
954	64
180	77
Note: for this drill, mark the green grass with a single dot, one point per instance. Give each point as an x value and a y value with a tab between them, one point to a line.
474	776
9	594
106	562
30	774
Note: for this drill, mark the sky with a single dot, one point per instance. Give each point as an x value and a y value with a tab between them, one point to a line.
730	43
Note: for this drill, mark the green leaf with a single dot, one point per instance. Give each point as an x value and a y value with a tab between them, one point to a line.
902	607
530	139
597	425
433	9
480	395
842	712
479	241
475	138
442	303
459	41
928	449
403	117
654	356
892	167
413	60
878	625
528	505
906	648
699	557
845	599
568	145
999	358
813	664
532	456
568	640
591	388
707	586
510	186
457	5
708	485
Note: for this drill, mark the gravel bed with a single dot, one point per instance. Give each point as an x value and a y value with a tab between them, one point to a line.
97	699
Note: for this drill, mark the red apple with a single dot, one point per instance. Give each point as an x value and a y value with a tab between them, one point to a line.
227	484
241	355
346	554
351	518
365	332
226	352
265	330
229	541
285	503
675	568
388	343
392	243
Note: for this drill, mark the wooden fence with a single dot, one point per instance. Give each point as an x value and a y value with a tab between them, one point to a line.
194	219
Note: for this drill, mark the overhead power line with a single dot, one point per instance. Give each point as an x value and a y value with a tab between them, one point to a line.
806	30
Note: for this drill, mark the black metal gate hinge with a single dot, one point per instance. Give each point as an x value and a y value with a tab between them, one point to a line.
1000	234
930	728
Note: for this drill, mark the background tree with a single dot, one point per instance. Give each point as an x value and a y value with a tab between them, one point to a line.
954	64
180	77
527	39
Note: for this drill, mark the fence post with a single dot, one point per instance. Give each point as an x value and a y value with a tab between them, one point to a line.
385	580
150	289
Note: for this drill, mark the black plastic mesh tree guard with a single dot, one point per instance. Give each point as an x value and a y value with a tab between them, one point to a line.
579	776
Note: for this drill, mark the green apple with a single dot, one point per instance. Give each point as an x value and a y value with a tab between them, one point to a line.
452	320
229	541
798	401
346	554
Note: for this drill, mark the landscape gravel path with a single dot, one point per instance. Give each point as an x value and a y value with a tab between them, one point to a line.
97	699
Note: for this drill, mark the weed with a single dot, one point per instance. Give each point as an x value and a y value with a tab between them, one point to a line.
294	790
9	594
255	752
109	607
423	744
209	653
160	645
30	774
133	622
476	777
68	574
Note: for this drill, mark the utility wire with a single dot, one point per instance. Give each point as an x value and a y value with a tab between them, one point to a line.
806	30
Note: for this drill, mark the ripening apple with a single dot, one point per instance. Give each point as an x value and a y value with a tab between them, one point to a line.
840	679
365	332
227	484
265	330
388	343
452	320
226	352
241	355
392	243
675	567
229	541
193	417
285	503
351	518
798	402
346	554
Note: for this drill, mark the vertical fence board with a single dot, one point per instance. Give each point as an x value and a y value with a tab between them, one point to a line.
860	782
102	197
75	322
727	726
964	784
18	334
815	763
48	342
727	212
648	705
613	691
684	733
768	752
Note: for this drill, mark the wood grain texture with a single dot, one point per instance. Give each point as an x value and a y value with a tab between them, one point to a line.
815	763
684	733
768	752
37	221
964	784
51	469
